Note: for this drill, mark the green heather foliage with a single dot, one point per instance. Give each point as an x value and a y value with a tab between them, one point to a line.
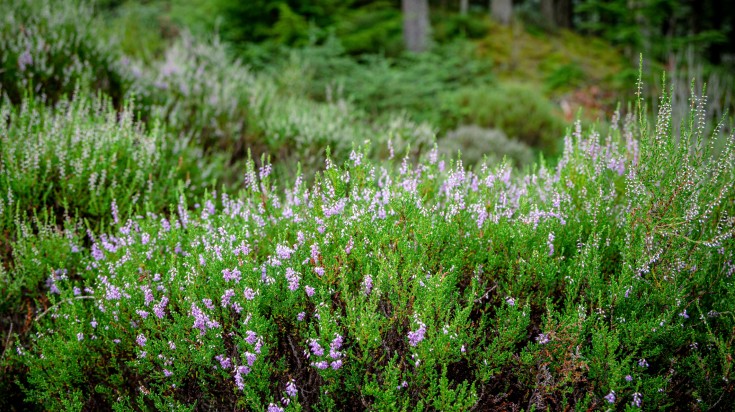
605	281
50	46
82	158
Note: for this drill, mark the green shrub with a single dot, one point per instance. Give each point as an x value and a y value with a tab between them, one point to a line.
49	47
519	111
605	281
476	143
82	158
413	83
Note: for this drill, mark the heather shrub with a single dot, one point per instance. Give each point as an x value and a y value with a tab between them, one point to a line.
49	47
224	109
476	143
519	111
601	282
82	158
203	94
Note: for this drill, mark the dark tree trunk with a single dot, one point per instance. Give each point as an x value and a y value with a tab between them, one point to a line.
502	10
563	14
416	25
557	13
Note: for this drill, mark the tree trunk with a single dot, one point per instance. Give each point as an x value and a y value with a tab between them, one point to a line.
563	13
502	10
547	12
464	5
557	13
416	25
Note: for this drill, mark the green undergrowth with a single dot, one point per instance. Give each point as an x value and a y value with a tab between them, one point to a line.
602	282
208	236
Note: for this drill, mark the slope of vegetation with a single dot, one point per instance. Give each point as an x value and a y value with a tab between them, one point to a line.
204	235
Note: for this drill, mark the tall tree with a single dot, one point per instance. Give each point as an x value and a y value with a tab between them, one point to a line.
502	10
416	26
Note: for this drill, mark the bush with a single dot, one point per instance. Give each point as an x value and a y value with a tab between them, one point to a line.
415	84
476	143
79	159
603	282
49	47
517	110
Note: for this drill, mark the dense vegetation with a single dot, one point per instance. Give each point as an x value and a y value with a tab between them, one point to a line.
191	225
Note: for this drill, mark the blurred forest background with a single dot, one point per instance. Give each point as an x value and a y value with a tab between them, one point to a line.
525	68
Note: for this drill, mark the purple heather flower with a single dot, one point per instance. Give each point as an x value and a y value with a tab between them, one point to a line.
542	339
637	397
367	284
336	364
201	320
80	336
283	252
349	246
550	243
171	345
143	314
141	340
309	291
117	341
510	301
250	358
229	293
414	337
249	294
251	338
684	314
158	309
274	408
93	323
112	293
239	372
226	363
301	316
97	253
291	389
147	295
642	363
319	271
233	274
208	303
628	378
334	347
321	365
167	373
610	397
293	279
25	59
315	252
51	284
316	349
77	291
